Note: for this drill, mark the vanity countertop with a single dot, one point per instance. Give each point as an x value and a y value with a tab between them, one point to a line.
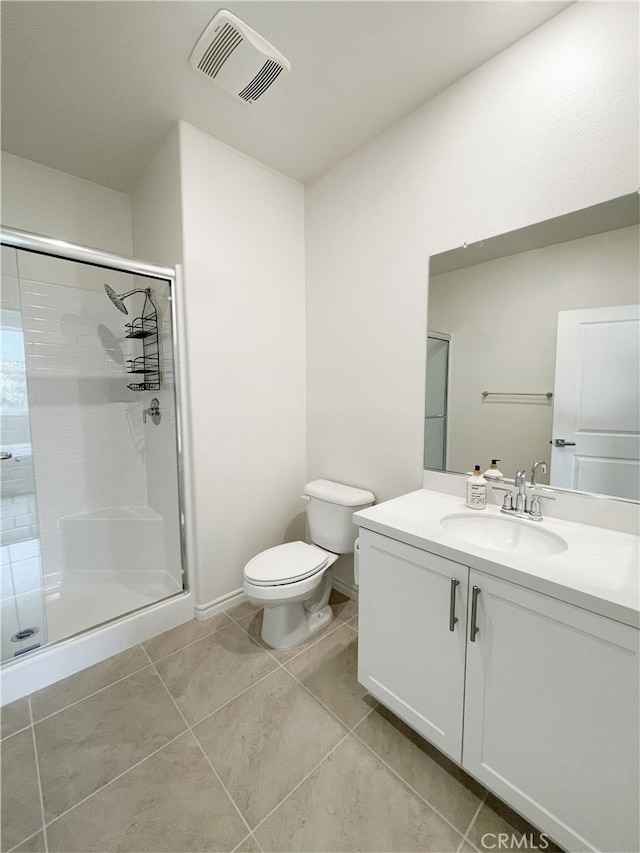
599	571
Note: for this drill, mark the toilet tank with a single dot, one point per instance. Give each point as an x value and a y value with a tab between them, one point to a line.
330	513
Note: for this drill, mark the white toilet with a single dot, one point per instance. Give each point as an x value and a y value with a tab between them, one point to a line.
293	581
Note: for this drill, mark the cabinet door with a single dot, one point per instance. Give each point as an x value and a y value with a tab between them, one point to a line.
551	715
408	658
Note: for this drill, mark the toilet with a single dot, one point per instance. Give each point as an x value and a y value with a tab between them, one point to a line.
292	582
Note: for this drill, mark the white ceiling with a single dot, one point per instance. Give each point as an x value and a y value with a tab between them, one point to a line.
92	88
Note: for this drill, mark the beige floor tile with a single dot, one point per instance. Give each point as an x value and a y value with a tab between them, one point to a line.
170	802
280	733
344	608
35	844
169	642
213	670
85	746
14	717
353	623
245	608
81	684
329	670
496	817
443	785
353	802
253	626
21	811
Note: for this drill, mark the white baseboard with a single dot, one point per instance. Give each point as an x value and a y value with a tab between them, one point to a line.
218	605
348	589
206	611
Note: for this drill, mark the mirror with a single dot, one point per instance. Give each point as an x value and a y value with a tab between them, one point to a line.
534	350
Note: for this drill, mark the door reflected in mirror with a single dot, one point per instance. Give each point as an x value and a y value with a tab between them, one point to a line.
534	352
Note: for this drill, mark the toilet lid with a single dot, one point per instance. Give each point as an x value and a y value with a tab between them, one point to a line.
293	561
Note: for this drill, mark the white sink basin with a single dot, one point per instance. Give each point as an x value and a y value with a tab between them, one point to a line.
501	533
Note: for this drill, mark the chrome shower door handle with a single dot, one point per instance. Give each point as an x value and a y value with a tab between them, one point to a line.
5	454
474	614
452	604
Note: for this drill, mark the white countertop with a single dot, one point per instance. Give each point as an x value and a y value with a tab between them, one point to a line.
599	571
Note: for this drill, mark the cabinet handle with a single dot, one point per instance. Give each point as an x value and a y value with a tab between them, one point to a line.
452	604
474	613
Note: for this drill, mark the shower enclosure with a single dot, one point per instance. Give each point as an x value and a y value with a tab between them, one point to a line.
91	499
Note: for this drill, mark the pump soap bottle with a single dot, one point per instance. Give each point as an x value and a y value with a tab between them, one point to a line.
476	490
492	473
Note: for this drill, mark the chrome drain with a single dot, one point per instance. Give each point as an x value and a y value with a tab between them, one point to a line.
24	634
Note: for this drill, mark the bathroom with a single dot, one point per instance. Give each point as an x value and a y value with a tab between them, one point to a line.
304	300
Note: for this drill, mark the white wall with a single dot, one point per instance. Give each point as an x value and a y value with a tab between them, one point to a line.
502	316
45	201
243	227
548	126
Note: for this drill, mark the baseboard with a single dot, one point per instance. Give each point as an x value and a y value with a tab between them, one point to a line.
348	589
206	611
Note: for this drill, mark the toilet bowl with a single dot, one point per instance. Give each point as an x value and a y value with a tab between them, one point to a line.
292	582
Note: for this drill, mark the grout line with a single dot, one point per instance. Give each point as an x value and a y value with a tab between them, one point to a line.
115	779
222	627
313	769
24	840
295	788
412	789
246	838
35	751
204	754
326	707
89	695
473	820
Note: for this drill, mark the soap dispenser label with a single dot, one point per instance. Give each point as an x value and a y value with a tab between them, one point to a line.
476	495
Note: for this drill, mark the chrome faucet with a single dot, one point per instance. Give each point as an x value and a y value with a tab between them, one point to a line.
524	507
520	483
534	471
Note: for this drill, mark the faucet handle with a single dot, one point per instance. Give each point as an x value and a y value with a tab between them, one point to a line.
534	507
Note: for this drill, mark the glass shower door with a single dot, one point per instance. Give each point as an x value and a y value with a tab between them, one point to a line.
89	377
23	612
435	443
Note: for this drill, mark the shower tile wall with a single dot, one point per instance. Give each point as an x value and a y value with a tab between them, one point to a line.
84	460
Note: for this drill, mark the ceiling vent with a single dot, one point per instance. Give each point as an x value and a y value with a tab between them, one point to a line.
237	59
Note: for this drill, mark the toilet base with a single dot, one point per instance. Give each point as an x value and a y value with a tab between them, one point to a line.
286	625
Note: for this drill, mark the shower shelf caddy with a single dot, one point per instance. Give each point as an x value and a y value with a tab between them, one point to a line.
145	328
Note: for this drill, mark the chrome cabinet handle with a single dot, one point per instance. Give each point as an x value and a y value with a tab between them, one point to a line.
452	604
474	613
5	454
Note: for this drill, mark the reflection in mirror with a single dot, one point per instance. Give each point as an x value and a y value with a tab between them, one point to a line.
534	352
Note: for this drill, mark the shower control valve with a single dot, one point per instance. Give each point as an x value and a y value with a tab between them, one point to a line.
153	411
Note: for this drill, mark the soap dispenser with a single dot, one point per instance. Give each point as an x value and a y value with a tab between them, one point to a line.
492	472
476	490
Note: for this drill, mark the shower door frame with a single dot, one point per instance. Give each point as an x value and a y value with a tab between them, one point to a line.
64	250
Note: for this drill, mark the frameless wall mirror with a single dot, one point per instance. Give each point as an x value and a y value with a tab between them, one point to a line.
542	355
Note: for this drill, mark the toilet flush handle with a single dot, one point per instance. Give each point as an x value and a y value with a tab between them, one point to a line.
305	498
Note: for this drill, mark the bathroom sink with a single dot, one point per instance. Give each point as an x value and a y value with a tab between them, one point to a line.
501	533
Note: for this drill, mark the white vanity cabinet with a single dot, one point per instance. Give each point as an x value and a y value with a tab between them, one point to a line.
548	691
408	657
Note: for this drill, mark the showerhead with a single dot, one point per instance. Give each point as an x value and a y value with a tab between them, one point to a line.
117	300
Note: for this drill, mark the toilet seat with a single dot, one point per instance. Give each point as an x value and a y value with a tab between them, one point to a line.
285	564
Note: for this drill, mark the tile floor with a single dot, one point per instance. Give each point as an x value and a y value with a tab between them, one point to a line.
204	739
